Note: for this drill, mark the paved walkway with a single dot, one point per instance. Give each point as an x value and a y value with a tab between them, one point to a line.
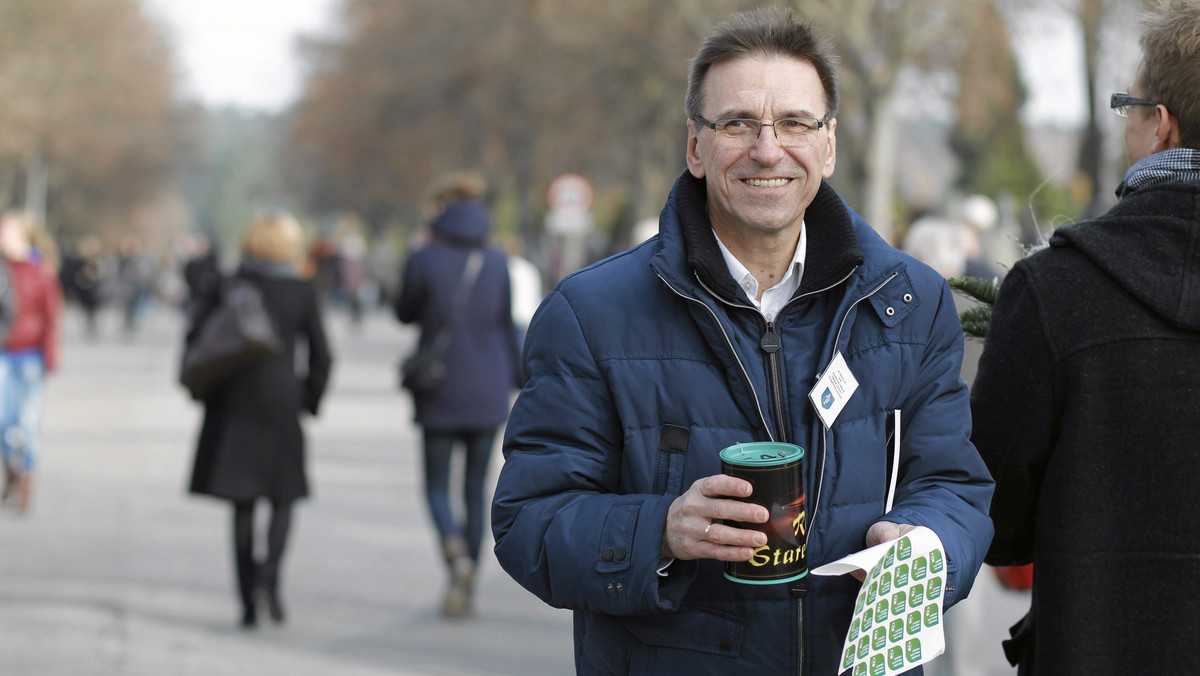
117	571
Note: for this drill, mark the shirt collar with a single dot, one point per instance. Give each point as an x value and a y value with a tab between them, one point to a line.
775	297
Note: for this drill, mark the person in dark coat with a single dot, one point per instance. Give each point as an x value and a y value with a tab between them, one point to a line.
1085	404
202	270
251	444
481	362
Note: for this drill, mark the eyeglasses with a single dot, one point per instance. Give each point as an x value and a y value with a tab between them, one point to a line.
1121	103
789	131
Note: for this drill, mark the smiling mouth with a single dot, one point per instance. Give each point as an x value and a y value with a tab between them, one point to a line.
767	182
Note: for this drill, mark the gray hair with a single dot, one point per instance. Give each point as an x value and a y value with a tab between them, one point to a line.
763	32
1170	72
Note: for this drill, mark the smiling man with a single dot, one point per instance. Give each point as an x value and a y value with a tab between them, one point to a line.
760	288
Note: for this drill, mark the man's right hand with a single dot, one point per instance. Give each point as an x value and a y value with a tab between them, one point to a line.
691	531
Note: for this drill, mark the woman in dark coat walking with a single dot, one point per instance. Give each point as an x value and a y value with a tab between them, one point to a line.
251	444
482	372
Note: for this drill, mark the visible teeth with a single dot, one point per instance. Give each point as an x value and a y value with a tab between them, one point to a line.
770	183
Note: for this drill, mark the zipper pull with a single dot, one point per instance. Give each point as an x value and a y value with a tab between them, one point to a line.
770	342
798	588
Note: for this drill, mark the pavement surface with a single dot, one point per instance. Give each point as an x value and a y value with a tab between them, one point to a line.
116	570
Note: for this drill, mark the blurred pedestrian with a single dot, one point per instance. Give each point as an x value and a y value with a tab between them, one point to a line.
251	445
86	277
526	287
201	270
938	243
32	298
481	357
135	279
1086	403
978	216
352	267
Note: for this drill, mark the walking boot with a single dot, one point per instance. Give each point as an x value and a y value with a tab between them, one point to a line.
249	616
268	591
457	602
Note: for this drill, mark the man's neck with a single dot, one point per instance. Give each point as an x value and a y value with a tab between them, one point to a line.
766	256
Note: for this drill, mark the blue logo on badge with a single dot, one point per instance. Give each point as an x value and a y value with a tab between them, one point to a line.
826	398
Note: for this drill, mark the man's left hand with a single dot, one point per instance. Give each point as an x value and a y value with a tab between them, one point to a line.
882	531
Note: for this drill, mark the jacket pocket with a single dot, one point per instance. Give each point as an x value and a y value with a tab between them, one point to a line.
690	628
672	454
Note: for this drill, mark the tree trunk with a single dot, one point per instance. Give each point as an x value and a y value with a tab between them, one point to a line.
37	180
882	147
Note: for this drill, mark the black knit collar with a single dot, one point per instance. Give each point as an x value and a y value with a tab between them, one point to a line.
833	248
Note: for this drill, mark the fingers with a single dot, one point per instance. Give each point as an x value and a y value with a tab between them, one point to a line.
692	530
720	485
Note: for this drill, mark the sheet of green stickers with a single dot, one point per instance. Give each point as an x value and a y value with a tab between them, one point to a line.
897	623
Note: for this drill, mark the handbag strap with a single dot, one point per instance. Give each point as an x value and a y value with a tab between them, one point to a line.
470	273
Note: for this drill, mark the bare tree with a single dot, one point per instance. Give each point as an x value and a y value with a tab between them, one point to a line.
88	121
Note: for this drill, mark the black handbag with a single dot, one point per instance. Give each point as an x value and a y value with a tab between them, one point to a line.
234	334
424	371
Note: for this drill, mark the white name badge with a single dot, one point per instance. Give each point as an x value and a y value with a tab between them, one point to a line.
833	390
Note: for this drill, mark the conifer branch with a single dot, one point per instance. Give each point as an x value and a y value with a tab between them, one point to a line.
981	290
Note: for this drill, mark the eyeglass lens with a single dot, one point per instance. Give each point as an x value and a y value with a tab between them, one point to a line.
788	131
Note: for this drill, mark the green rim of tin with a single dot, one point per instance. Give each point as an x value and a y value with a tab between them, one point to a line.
779	580
762	454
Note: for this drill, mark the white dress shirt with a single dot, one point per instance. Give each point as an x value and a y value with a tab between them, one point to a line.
774	298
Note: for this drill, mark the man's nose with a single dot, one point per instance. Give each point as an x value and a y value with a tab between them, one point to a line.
766	147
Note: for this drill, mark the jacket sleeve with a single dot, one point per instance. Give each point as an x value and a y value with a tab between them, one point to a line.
562	530
320	357
1014	407
52	335
409	303
943	483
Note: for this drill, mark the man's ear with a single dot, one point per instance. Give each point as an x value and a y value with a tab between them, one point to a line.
1166	134
695	166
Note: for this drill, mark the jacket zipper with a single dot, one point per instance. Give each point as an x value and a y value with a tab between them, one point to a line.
799	588
770	343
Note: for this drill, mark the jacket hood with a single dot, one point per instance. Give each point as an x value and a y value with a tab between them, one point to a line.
1150	244
465	223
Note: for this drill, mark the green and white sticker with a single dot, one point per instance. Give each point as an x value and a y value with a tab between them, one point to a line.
897	623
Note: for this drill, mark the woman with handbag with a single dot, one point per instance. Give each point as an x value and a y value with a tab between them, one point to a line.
457	290
251	444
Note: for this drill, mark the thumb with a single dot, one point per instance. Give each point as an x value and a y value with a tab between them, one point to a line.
883	531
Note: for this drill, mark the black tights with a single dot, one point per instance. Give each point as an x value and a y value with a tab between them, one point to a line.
250	573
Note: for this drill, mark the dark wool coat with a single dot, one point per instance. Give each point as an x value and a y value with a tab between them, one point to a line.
251	444
1086	410
482	353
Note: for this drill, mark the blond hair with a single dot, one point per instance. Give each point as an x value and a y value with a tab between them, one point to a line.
274	236
37	236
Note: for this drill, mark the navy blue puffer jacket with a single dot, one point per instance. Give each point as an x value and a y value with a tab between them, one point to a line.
644	366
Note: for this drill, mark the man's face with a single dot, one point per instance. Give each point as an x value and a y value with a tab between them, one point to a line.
1141	126
762	187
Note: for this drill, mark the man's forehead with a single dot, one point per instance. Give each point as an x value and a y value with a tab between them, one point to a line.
758	80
